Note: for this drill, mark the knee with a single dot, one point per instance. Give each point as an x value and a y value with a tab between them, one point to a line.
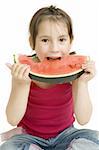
82	143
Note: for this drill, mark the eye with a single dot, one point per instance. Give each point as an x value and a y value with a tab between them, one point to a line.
62	39
45	40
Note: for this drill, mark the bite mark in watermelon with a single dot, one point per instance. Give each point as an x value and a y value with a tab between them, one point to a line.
61	70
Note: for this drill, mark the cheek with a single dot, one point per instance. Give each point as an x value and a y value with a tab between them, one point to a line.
41	47
66	50
41	53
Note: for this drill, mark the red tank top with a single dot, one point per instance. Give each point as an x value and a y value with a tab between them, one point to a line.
49	111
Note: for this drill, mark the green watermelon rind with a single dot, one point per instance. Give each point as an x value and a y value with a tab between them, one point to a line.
51	79
68	77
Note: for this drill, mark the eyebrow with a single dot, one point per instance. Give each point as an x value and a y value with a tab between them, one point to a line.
44	36
63	35
47	36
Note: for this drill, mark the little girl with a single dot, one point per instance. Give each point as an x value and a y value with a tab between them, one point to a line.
47	111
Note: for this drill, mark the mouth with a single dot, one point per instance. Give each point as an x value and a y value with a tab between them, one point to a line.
53	58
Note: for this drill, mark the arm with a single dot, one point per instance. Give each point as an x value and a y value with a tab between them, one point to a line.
81	97
17	103
82	102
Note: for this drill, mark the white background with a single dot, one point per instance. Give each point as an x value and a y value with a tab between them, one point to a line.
14	22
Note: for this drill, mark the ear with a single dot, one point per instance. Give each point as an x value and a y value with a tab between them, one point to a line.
30	41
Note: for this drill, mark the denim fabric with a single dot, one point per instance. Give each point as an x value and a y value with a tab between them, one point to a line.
83	144
35	147
70	139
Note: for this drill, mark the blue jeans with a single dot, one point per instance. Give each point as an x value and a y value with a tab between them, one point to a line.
70	139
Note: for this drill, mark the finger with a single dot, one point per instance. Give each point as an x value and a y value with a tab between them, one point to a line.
23	70
26	73
89	62
9	65
87	76
88	65
90	71
16	69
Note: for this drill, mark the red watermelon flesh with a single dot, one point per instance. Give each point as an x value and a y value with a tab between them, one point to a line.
65	65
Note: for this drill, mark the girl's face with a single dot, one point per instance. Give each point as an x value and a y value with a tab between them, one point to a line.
52	40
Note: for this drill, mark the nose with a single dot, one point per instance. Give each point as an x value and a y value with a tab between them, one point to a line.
54	47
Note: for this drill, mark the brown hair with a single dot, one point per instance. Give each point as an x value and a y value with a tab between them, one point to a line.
51	13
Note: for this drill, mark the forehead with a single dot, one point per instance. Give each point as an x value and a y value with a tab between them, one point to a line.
52	26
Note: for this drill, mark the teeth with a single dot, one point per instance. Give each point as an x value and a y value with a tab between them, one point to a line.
49	58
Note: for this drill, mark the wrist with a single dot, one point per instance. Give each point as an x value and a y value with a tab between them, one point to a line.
16	83
82	83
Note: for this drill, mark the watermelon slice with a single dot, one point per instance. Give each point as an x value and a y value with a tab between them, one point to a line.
61	70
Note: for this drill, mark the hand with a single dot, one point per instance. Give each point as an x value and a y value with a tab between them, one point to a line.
19	72
90	71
